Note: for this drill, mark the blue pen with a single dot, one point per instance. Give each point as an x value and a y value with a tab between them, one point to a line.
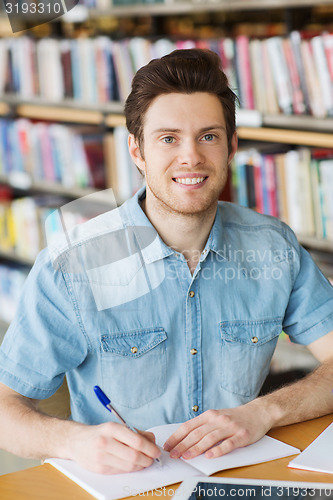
107	404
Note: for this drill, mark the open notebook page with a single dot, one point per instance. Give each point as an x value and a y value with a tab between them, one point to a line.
263	450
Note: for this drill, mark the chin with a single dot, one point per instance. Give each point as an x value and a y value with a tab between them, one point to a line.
194	208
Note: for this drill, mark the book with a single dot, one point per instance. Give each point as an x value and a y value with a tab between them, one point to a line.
65	59
111	487
295	81
257	70
295	41
312	80
328	47
244	72
3	66
49	69
270	177
280	73
321	64
271	101
316	194
281	188
326	175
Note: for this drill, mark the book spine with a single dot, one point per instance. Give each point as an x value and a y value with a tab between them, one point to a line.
280	74
244	72
295	39
321	65
297	94
316	102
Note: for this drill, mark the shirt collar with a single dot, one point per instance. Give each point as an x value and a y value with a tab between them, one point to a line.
158	249
155	250
215	239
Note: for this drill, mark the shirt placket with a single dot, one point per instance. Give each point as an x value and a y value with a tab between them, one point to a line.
193	347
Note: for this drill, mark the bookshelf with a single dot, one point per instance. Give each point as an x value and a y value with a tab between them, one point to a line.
68	111
253	126
286	136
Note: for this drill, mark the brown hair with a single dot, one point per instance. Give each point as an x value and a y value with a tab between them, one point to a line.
183	71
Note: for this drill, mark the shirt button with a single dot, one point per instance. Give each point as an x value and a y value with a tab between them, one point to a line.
191	294
254	340
193	351
134	350
195	408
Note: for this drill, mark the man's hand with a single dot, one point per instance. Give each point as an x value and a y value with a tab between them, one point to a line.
112	448
108	448
218	432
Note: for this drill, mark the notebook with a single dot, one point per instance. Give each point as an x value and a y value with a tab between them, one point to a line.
111	487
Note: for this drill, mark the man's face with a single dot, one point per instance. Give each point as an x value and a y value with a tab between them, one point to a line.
185	152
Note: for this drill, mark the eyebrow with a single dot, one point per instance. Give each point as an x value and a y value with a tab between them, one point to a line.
177	130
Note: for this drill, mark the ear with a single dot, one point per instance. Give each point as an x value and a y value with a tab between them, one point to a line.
234	145
134	151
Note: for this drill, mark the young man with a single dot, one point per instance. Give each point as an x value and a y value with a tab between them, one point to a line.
178	302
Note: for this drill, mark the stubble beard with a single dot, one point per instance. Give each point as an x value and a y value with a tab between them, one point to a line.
170	205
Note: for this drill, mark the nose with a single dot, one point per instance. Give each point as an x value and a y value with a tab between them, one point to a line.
189	153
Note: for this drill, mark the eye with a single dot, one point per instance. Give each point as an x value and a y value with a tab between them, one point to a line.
209	137
168	140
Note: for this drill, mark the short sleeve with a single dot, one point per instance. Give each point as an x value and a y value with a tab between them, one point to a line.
309	314
45	340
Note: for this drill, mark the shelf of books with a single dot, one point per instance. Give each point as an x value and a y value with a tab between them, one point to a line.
295	185
274	76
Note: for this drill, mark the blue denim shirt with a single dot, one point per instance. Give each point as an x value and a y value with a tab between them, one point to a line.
119	308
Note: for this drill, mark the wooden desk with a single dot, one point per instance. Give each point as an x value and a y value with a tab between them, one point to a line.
46	483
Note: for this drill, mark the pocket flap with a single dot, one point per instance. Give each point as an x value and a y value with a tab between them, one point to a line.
252	333
134	343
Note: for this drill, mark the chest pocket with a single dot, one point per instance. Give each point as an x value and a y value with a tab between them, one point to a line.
246	351
134	366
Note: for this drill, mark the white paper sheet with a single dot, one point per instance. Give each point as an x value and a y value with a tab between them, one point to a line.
318	456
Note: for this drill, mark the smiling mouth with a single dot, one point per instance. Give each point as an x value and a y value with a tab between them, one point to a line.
189	180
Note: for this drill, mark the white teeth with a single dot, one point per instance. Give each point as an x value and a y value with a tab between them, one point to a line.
189	180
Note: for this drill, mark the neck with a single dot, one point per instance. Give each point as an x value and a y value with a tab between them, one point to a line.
184	233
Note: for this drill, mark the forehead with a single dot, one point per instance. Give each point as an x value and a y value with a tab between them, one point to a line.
178	110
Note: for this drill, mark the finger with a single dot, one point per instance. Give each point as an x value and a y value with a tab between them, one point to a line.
110	457
207	441
190	442
181	433
137	441
115	454
227	445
